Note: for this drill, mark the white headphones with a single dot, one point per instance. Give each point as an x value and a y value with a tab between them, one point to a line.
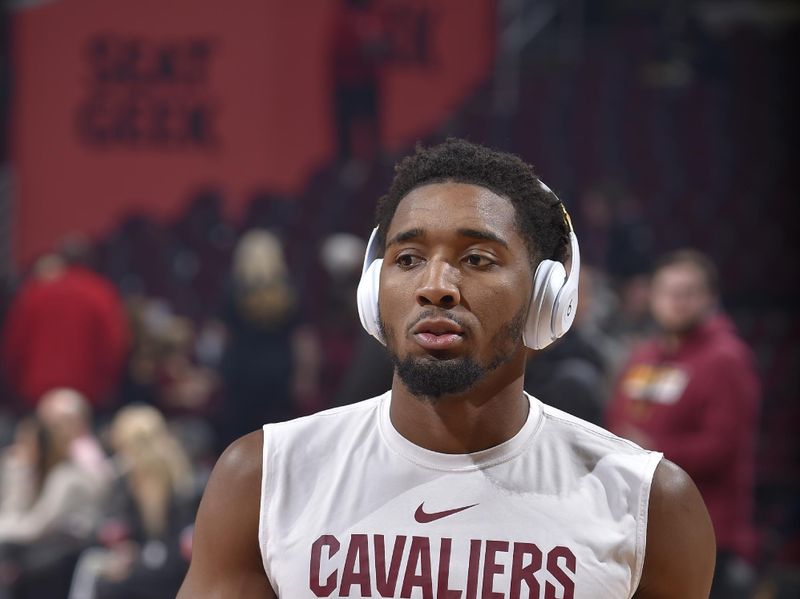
553	304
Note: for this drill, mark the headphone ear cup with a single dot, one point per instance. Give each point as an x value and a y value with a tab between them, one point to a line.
547	284
367	299
564	311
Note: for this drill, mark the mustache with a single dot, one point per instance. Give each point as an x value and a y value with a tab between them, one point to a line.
438	313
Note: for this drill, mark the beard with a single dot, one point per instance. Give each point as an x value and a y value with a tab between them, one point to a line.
684	327
431	378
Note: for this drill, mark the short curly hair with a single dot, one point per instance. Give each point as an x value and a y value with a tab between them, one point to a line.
539	214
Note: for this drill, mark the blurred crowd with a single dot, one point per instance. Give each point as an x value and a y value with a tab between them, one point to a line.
122	383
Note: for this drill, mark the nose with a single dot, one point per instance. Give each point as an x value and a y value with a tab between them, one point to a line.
439	285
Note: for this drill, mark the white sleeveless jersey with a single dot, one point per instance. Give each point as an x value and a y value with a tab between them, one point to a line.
350	508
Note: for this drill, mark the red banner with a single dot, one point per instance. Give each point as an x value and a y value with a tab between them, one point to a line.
131	105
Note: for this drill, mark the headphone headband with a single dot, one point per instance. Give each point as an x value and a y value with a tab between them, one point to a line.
372	250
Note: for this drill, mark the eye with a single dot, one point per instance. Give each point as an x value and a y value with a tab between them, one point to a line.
478	260
407	260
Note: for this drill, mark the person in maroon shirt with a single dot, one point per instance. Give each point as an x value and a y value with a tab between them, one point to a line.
65	328
692	392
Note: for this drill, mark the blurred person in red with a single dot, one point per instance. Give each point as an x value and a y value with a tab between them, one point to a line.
65	328
692	392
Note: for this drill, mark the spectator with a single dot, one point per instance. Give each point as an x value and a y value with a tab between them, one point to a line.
184	387
338	328
149	318
261	378
615	236
49	506
66	328
630	323
617	240
67	414
692	392
359	368
359	46
151	507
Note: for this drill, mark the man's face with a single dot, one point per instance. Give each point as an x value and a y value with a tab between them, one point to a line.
680	298
455	288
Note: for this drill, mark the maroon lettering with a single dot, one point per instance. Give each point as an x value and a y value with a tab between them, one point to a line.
491	568
419	557
386	581
443	590
320	589
521	572
489	562
357	552
474	569
567	583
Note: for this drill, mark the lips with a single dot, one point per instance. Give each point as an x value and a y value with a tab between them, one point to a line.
437	334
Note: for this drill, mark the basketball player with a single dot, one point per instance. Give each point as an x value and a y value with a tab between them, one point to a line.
455	484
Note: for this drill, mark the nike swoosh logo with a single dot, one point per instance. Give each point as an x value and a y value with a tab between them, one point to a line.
424	517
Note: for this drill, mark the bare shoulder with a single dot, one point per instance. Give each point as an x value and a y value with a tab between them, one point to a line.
241	461
681	550
226	560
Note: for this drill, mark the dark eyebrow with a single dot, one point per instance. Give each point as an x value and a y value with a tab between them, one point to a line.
416	233
482	235
406	236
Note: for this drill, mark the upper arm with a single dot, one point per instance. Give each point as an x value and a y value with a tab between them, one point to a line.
226	560
681	550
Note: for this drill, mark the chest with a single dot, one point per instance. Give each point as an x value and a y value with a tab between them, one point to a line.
425	535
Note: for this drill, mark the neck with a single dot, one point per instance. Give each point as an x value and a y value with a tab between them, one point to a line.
487	415
672	341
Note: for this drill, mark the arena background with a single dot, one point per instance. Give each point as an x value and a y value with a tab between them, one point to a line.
160	131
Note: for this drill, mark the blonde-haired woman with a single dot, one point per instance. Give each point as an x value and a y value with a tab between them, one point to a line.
154	464
270	359
261	278
153	505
